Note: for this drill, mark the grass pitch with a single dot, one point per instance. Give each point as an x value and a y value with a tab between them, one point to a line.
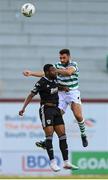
58	177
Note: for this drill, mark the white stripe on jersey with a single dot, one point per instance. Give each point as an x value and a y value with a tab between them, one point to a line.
43	116
70	81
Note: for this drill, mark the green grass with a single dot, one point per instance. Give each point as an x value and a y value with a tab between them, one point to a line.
57	177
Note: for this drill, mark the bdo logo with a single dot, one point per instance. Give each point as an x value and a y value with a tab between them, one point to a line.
91	162
37	163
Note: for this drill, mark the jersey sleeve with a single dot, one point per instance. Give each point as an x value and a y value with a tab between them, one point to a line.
56	65
75	66
36	88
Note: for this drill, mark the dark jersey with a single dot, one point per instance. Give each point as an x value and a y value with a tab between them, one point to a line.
48	90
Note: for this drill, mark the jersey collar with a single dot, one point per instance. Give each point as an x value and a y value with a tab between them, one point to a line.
48	79
65	65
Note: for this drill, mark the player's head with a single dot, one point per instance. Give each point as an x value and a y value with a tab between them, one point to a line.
64	56
49	71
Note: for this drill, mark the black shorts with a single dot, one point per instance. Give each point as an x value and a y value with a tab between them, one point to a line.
50	116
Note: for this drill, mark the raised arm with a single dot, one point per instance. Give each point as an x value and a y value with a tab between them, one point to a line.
66	72
33	73
26	102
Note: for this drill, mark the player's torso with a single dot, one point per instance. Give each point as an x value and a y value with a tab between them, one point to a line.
70	81
49	91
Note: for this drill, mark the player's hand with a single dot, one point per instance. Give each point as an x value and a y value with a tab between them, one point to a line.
66	89
21	112
27	73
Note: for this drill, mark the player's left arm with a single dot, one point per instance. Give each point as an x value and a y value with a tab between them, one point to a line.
66	72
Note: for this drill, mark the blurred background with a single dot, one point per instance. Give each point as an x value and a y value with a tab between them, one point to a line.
29	43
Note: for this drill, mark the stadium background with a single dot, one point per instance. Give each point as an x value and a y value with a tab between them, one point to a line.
29	43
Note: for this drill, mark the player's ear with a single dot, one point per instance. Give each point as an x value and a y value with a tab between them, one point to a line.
46	73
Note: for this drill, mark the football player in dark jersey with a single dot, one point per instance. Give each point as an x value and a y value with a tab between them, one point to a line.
50	115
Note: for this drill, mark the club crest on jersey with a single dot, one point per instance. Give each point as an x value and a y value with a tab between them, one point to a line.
48	121
54	90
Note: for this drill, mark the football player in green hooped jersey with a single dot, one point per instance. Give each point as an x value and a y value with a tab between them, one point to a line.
67	74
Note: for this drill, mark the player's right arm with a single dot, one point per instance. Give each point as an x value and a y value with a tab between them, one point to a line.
26	102
33	73
29	98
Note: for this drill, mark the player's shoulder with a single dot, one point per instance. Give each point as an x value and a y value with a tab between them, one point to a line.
73	63
41	82
58	64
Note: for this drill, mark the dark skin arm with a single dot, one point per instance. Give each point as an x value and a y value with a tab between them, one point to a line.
26	102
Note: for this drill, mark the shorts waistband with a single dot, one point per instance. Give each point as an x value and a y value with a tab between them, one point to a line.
50	104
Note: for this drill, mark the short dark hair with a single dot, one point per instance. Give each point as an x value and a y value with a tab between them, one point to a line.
64	51
46	67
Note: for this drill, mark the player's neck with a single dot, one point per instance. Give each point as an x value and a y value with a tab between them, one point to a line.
48	78
66	64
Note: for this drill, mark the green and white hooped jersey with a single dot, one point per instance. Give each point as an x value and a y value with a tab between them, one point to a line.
70	81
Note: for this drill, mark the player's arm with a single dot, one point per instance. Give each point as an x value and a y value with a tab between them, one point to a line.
33	73
34	91
66	72
26	102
